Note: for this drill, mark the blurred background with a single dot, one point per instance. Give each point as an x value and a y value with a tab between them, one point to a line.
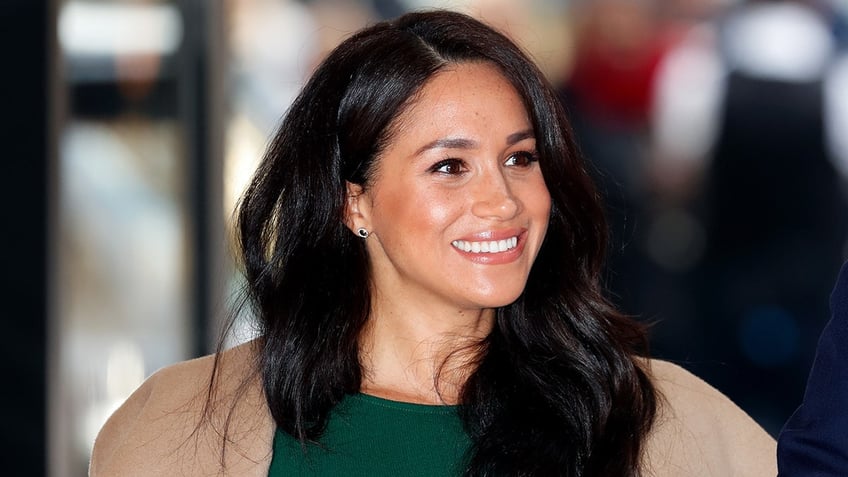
717	131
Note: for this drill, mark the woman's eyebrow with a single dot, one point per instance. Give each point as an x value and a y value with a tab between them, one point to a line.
465	143
448	143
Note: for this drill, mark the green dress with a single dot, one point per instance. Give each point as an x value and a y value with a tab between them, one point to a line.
371	436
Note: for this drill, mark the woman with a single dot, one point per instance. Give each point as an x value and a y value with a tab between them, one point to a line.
422	246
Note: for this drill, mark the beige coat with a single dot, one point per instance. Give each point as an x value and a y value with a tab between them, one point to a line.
699	431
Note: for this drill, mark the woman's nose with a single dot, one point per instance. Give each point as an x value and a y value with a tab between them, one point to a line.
494	198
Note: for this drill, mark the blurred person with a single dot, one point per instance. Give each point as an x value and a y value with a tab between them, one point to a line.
120	270
422	246
749	129
814	441
620	45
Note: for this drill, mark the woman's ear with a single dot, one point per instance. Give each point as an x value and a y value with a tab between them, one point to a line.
356	208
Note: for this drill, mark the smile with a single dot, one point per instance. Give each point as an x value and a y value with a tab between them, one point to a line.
491	246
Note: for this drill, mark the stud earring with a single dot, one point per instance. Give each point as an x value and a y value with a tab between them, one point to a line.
362	232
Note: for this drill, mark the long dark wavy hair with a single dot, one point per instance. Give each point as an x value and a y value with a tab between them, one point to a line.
558	388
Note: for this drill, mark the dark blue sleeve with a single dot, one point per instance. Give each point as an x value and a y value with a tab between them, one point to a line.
814	442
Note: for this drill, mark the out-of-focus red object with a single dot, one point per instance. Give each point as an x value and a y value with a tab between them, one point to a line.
619	47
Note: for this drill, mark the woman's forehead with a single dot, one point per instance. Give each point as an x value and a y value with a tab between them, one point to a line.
462	95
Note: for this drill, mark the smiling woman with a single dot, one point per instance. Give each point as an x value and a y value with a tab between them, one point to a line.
461	172
423	247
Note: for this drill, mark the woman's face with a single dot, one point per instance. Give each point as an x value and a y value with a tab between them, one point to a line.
458	208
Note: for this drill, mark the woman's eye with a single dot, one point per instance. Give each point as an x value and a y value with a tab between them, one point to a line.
522	159
449	167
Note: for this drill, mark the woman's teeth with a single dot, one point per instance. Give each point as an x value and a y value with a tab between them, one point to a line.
492	246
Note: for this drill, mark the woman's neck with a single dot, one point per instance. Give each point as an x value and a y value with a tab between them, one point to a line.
421	355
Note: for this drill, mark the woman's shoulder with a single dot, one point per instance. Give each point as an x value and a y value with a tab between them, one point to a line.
699	431
173	423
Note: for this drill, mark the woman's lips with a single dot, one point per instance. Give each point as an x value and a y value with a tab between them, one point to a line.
497	249
486	246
